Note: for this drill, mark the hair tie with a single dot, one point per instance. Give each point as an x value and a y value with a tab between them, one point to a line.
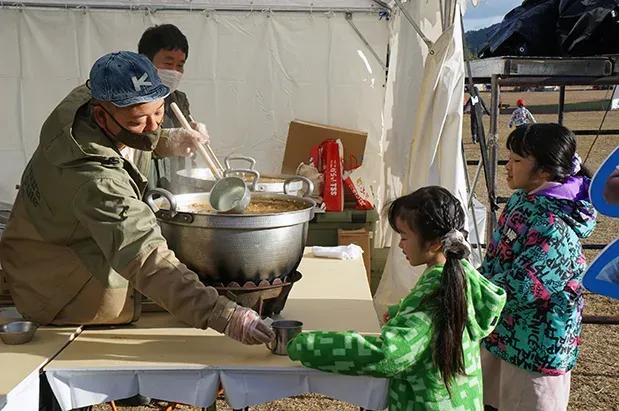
576	164
455	243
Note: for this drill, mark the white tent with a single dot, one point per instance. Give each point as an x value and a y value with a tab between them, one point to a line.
423	122
253	67
249	72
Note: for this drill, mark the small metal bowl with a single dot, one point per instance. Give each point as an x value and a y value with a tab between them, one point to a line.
17	332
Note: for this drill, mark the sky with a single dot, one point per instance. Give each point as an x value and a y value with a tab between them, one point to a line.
487	13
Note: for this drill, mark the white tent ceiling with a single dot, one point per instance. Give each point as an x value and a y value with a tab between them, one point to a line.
351	5
248	74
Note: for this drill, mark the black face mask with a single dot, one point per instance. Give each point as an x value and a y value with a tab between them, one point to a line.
141	141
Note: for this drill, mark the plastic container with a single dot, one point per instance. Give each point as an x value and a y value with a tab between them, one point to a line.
323	228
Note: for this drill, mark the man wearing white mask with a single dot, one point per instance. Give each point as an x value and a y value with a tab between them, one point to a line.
80	242
167	47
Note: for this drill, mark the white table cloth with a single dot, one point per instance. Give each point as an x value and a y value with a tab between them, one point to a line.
21	364
161	358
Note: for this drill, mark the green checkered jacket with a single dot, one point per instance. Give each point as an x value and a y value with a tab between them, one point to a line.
403	351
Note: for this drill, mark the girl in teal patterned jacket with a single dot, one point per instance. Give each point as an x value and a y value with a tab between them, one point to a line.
535	255
429	347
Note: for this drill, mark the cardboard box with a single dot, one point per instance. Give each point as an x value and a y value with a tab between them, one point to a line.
303	135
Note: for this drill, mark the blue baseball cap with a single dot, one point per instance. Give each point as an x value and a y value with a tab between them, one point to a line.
125	78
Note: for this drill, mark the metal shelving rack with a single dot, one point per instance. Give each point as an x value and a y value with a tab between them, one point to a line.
538	71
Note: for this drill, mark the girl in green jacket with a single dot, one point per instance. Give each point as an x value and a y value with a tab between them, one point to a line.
429	347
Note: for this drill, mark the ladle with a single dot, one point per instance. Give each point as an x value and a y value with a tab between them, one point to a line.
230	194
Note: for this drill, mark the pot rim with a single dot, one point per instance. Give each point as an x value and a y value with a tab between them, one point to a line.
268	186
235	221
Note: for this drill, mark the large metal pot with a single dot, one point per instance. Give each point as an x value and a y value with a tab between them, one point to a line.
234	247
202	180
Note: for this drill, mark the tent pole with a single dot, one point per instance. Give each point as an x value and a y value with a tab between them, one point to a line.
442	8
383	4
561	104
470	205
493	147
415	26
367	44
477	131
475	181
178	6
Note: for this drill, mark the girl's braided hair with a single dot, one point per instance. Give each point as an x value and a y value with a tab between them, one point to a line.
434	213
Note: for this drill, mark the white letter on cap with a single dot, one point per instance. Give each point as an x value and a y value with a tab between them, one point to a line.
143	81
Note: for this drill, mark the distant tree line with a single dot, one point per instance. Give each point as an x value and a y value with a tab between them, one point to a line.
475	40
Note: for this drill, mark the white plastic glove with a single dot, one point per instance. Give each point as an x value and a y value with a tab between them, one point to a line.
179	142
200	128
246	326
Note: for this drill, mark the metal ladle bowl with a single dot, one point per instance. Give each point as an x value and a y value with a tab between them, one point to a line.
230	194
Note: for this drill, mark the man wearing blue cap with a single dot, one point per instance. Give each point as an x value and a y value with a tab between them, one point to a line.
80	241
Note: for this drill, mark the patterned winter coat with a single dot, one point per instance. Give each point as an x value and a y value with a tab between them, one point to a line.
521	117
536	256
403	351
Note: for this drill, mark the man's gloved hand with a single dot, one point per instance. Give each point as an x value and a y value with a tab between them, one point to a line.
200	128
246	326
179	142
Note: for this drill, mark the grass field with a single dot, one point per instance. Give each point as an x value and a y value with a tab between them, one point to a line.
595	381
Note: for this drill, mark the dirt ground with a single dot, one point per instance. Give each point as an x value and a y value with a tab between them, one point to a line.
595	380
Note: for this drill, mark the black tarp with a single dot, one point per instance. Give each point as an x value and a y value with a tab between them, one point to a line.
557	28
588	27
527	30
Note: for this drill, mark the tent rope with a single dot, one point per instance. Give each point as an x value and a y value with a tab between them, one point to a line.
608	108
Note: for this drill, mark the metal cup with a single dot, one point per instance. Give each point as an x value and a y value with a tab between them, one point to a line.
17	332
285	331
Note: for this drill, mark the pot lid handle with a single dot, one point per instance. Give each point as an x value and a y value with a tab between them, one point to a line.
250	160
254	173
307	184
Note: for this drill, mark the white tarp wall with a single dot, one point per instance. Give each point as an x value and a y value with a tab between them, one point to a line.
423	124
249	73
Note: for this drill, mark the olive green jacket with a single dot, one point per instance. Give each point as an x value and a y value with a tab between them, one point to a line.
80	240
